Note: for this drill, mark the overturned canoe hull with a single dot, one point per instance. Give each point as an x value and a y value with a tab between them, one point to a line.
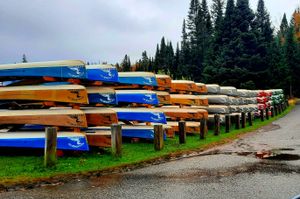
65	140
137	78
63	118
57	69
137	96
100	117
143	132
98	95
103	73
140	115
60	93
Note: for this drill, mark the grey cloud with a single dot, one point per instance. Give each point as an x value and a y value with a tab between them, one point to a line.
95	29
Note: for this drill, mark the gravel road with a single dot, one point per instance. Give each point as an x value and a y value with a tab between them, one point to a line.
230	171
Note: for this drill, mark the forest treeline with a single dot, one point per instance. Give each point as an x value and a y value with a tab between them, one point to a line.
229	44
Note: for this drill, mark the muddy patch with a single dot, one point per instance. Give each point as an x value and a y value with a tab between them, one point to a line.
271	127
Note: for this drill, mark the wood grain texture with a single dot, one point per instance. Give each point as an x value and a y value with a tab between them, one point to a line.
62	93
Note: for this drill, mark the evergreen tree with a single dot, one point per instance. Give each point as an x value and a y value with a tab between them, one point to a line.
264	38
126	64
24	59
144	62
284	26
192	21
176	73
156	59
184	58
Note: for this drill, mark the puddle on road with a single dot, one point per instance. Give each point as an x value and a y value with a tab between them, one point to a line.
284	157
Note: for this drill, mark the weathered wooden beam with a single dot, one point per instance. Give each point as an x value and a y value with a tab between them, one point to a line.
50	157
237	122
116	140
217	124
182	132
227	123
262	117
267	114
272	112
250	119
203	128
158	137
244	120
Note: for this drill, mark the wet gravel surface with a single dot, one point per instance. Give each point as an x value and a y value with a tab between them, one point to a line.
230	171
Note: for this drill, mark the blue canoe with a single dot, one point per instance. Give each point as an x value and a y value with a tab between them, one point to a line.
137	96
141	131
138	78
101	95
140	115
65	140
68	69
103	73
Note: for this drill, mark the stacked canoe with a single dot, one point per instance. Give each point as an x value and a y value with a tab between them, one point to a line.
83	101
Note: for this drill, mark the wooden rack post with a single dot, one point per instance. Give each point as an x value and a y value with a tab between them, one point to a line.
182	132
158	137
244	120
116	140
203	128
227	123
250	119
50	156
217	124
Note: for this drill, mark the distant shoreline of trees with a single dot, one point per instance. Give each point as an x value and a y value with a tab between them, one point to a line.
230	44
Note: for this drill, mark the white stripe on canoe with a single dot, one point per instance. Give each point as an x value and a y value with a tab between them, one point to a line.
100	66
136	74
182	96
135	92
182	82
159	76
40	112
70	63
35	88
28	135
100	90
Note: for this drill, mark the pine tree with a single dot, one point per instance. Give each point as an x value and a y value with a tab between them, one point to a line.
157	60
176	72
261	55
191	22
126	64
24	59
144	62
284	26
184	58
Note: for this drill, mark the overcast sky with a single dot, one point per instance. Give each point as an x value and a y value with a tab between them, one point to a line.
96	30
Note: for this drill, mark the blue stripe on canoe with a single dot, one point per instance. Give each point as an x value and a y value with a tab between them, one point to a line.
104	75
96	98
63	143
156	117
77	72
147	81
140	133
140	98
